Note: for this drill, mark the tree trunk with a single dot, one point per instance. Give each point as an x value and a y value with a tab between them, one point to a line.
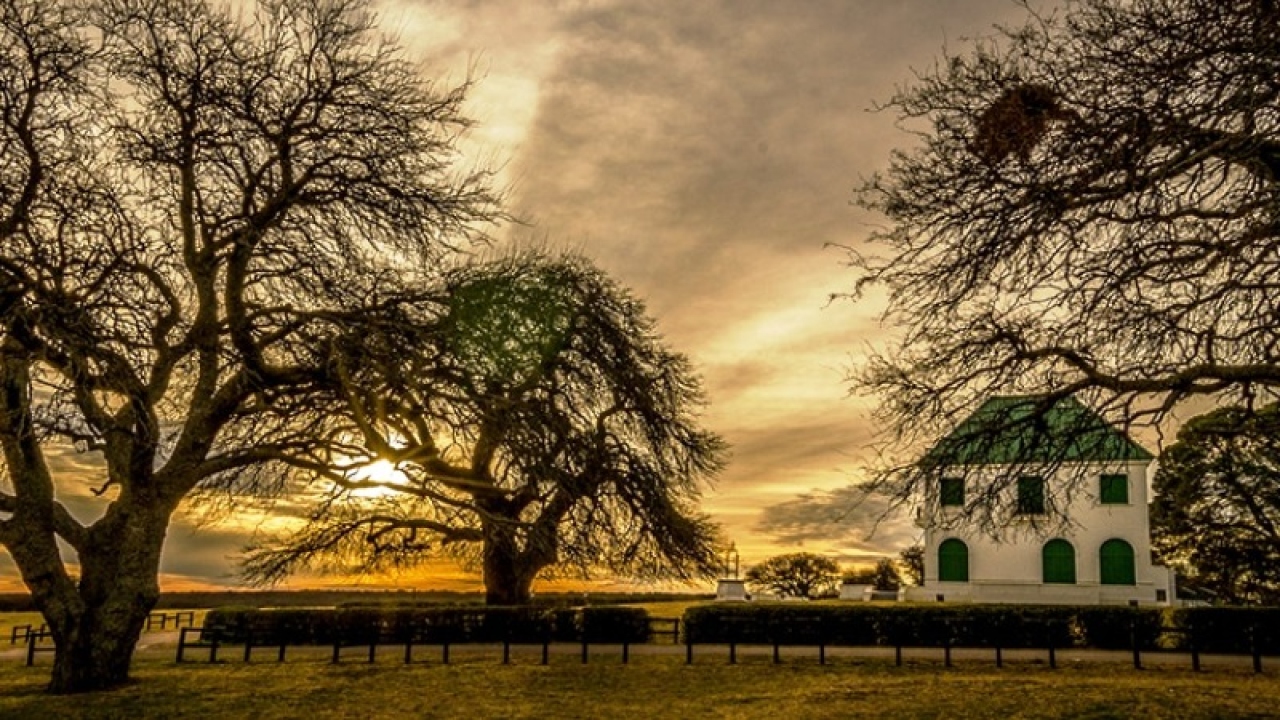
117	590
508	576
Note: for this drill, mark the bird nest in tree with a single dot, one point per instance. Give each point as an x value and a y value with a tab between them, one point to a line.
1015	123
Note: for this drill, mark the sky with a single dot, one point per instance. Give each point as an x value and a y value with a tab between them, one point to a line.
704	153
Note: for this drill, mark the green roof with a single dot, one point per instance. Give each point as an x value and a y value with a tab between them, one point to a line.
1033	429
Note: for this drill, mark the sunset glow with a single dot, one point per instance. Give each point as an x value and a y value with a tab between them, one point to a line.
704	155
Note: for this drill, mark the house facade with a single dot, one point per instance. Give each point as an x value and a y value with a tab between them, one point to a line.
1071	495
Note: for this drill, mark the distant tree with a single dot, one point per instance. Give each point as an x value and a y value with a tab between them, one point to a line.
537	425
1216	514
1091	209
911	565
882	576
804	575
195	202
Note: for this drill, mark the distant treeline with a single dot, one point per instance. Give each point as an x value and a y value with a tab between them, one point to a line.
21	602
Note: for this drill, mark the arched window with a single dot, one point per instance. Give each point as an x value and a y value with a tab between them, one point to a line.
1117	562
1058	559
953	561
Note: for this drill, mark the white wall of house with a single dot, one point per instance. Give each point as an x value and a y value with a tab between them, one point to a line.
1009	569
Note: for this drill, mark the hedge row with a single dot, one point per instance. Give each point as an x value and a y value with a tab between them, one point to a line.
1011	626
1229	629
971	626
1208	629
430	625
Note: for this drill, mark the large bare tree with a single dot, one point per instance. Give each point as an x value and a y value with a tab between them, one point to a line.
1090	208
538	424
194	201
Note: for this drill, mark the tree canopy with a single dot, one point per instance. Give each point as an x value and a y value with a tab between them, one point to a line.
800	575
537	424
1216	514
1091	208
197	203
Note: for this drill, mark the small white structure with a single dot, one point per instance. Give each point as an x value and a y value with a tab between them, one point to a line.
1100	555
731	590
856	591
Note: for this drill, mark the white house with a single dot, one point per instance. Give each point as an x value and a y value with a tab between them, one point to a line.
1042	463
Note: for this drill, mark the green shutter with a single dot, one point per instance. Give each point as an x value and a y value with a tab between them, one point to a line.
952	491
1117	563
1114	490
1030	495
1059	560
953	561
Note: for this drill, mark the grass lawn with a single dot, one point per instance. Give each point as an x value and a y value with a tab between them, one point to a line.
651	686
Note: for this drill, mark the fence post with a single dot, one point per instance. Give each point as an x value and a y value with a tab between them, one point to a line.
444	653
182	643
1191	645
999	657
822	653
31	649
776	658
546	650
1255	647
585	650
1133	638
626	652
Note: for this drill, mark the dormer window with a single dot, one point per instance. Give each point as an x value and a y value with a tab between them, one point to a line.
1030	495
1114	490
951	492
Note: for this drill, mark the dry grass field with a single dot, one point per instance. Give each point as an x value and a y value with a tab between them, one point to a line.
651	686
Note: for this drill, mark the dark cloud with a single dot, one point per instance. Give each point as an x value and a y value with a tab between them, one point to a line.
845	519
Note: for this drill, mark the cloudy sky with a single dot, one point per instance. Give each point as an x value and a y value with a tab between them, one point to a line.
703	152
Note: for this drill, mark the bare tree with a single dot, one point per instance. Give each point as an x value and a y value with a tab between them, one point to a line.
195	202
1092	209
537	425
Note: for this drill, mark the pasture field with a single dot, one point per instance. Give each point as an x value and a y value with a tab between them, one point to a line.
655	686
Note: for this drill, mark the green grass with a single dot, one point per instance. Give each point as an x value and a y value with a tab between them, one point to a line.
652	686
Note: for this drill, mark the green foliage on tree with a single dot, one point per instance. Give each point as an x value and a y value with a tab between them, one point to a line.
911	565
1216	513
801	575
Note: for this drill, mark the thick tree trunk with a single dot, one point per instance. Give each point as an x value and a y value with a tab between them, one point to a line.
508	574
118	588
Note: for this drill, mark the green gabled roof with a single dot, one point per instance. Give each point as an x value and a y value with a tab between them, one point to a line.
1026	429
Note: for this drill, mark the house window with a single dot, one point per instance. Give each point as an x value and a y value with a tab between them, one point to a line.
952	492
1114	490
1030	495
953	561
1117	563
1059	561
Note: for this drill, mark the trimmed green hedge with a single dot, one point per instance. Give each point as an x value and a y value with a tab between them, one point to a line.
1112	627
1229	629
971	625
430	625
